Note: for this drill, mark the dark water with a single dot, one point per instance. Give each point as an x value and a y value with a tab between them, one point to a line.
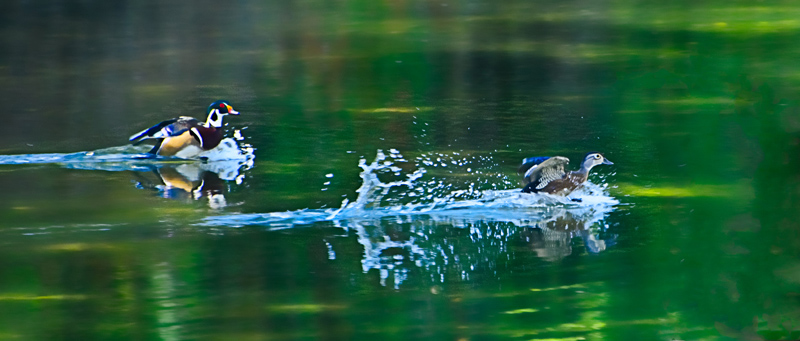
369	188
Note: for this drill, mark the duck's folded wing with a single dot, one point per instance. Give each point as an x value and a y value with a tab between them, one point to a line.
173	127
545	172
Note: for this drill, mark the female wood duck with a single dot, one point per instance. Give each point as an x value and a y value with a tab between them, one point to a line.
186	137
546	174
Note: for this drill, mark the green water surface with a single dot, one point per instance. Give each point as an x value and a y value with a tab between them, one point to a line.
696	102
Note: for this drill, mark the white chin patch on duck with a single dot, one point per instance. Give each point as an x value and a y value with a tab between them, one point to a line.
214	119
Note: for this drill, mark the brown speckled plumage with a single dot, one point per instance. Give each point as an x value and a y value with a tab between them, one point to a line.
547	175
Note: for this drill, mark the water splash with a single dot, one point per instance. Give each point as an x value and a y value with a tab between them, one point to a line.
435	191
387	190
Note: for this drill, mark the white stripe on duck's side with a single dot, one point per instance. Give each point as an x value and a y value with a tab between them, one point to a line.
198	136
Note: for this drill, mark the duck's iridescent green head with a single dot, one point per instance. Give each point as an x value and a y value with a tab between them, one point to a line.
223	107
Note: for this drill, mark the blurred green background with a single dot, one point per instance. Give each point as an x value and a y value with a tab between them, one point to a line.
696	102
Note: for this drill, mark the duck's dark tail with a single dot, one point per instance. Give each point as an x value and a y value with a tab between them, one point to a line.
156	147
530	188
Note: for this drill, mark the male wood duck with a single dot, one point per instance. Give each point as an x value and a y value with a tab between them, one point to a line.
546	174
184	136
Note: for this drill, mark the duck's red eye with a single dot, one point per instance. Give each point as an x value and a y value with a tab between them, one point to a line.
221	105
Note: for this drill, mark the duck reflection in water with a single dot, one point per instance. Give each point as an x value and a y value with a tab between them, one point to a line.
185	182
552	238
393	245
180	179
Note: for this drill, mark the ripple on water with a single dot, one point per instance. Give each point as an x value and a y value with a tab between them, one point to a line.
226	159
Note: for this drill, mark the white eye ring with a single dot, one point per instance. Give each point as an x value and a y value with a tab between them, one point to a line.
597	156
